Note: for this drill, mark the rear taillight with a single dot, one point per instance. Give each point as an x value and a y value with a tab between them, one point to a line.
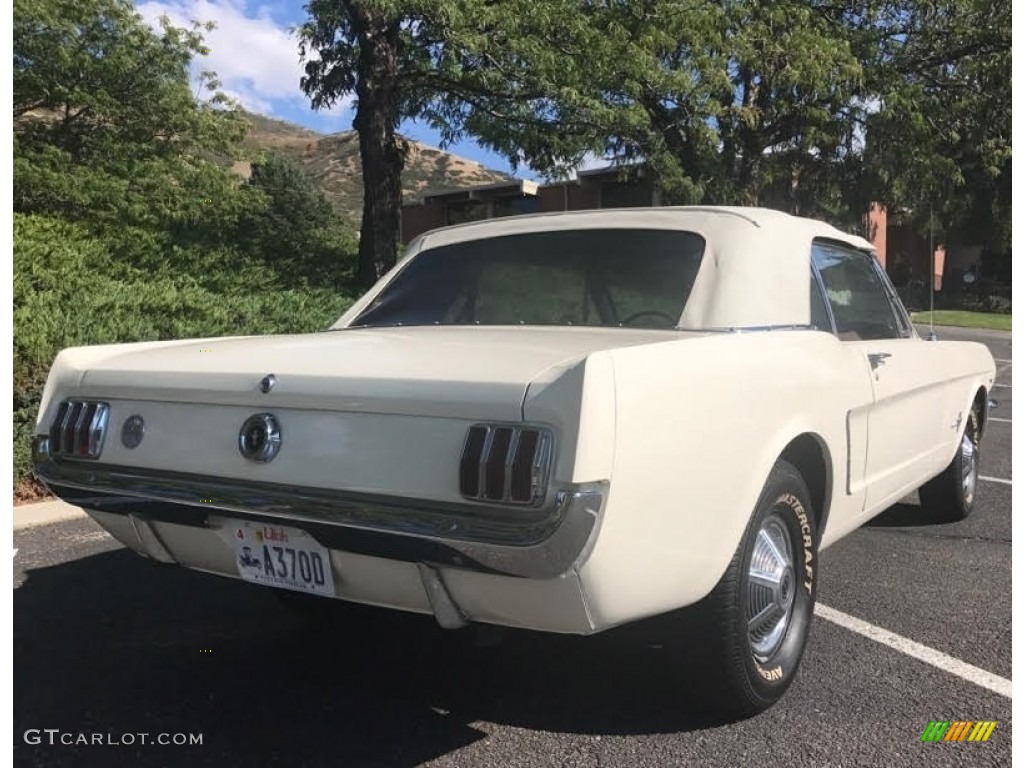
505	464
78	429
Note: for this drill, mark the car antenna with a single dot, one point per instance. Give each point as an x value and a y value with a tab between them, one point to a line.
931	276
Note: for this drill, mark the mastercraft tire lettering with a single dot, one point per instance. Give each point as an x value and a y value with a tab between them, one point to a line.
739	648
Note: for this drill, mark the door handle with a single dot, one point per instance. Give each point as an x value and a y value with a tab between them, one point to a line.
878	358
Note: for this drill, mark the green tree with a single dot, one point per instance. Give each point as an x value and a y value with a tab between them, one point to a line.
736	102
296	208
361	50
294	226
739	101
106	124
940	139
457	64
130	223
818	108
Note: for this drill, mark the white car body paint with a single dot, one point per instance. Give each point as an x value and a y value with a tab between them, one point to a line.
681	427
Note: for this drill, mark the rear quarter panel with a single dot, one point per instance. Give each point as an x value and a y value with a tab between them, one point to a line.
698	426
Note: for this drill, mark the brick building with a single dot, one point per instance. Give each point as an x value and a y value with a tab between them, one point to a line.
904	253
601	188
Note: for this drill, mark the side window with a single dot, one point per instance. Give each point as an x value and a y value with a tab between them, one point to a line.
819	312
859	301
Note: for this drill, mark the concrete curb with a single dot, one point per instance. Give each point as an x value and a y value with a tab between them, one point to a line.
44	513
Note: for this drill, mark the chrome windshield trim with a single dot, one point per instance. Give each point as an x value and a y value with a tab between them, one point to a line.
520	541
816	277
760	328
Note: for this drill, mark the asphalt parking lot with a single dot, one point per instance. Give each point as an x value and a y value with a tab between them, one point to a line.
107	642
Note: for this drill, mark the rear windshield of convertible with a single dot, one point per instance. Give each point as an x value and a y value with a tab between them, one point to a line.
637	278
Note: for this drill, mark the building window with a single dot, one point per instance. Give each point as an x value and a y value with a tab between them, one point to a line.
626	194
514	206
466	210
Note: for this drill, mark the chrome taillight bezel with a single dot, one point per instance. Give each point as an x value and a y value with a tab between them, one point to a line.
506	463
79	428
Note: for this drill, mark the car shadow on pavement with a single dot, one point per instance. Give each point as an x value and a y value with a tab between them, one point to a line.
113	644
902	515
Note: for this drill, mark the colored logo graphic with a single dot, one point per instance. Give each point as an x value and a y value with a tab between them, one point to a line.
959	730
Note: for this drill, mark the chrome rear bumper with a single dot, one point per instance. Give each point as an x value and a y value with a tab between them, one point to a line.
530	543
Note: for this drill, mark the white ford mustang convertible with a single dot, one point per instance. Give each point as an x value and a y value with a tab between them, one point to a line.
560	422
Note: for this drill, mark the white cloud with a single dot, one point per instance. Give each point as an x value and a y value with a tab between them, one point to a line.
255	57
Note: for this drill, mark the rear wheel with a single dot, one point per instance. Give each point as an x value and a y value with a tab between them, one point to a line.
949	497
739	648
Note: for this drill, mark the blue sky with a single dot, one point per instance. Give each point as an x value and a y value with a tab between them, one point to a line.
256	57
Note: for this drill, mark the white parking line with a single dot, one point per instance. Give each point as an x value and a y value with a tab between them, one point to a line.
937	659
998	360
1004	386
995	480
1002	421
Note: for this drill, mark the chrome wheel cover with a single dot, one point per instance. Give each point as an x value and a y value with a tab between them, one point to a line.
771	588
968	465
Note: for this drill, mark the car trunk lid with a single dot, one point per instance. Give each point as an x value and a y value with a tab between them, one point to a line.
472	372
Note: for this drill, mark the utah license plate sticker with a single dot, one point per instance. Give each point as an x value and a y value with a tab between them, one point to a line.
279	556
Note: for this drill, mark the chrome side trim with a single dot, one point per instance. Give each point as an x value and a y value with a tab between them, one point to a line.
518	541
849	457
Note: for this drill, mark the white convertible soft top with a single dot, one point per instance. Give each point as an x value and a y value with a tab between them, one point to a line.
755	271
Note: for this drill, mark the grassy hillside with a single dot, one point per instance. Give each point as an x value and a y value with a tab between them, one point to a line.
332	161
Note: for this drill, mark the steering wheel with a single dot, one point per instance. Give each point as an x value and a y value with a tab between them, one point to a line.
650	313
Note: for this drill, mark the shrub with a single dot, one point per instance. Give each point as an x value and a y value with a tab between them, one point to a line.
1002	305
69	290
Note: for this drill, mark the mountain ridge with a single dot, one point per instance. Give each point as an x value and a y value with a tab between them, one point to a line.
332	161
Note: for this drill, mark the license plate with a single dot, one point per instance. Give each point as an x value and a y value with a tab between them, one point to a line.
281	557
